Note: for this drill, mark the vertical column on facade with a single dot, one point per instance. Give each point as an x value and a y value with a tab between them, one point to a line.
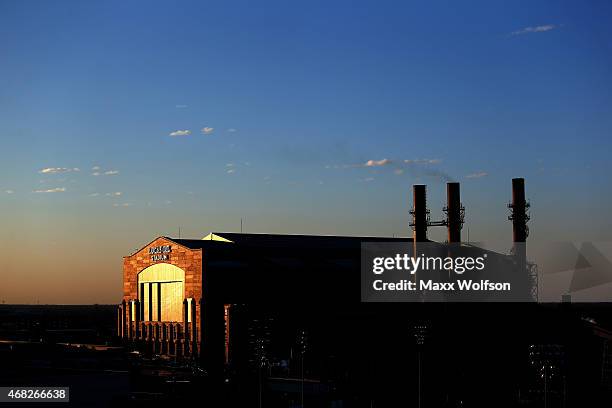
171	349
160	338
185	327
149	340
178	352
202	333
130	311
157	342
153	337
123	319
137	319
200	328
119	313
164	338
194	328
171	339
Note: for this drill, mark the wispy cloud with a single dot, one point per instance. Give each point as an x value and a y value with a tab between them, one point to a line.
52	190
367	179
232	130
122	204
105	173
231	171
94	194
9	191
480	174
114	194
180	106
535	29
207	130
377	163
56	170
181	133
95	168
423	161
417	168
384	162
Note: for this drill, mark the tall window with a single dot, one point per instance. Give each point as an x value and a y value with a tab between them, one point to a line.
161	293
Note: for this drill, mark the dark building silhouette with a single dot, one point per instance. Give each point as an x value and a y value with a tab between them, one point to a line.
278	320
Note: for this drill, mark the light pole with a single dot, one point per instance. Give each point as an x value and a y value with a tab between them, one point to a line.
545	388
261	363
420	332
548	362
303	344
548	371
419	357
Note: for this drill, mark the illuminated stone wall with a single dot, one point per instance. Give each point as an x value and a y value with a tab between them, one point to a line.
155	253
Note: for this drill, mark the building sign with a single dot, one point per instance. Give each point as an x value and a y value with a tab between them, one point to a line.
160	253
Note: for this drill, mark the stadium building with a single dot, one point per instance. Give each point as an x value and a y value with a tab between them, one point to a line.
196	298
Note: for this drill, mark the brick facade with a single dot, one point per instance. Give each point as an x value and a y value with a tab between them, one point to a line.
190	261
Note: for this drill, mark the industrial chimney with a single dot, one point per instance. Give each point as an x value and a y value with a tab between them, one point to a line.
419	212
519	217
454	212
518	208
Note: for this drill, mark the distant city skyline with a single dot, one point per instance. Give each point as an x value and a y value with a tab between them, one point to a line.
123	121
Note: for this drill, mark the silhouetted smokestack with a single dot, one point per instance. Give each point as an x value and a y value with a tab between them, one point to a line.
519	207
453	212
519	217
419	213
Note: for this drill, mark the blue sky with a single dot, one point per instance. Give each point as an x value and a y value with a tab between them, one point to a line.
298	98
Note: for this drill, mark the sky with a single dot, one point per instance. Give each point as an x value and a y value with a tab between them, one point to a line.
122	121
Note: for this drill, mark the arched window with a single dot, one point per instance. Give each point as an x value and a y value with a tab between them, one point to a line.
161	290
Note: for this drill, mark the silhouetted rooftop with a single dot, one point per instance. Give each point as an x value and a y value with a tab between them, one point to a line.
284	240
